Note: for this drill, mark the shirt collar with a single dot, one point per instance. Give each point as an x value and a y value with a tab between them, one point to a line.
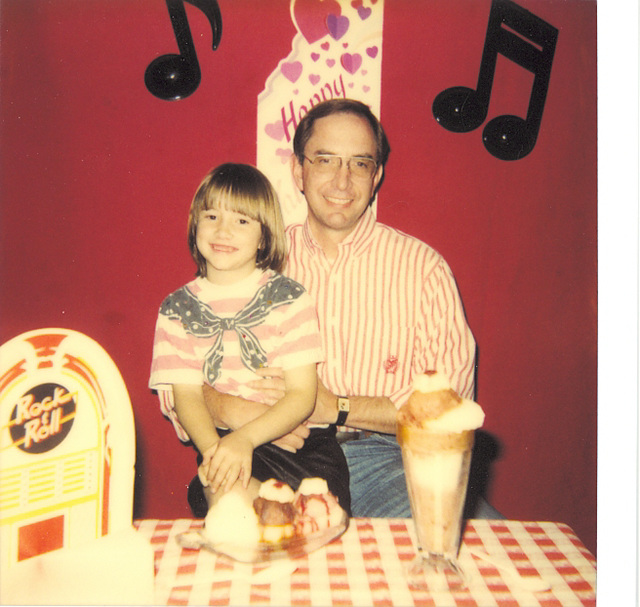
358	240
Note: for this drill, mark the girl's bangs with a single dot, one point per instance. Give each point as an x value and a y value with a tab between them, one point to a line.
238	202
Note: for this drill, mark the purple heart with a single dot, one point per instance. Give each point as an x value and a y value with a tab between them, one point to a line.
364	12
350	62
372	51
337	25
292	70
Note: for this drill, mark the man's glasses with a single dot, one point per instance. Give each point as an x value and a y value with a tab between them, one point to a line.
360	167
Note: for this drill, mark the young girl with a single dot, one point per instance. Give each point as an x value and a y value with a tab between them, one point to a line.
238	315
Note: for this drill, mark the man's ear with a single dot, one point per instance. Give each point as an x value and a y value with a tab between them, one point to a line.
376	179
296	171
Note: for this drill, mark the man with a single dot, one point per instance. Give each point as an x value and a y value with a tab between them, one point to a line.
388	306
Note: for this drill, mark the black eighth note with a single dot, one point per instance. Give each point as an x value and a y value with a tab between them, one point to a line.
529	42
172	76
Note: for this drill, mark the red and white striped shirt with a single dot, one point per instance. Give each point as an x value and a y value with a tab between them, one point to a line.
184	341
389	310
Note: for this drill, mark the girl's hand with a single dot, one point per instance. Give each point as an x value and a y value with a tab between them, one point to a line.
230	461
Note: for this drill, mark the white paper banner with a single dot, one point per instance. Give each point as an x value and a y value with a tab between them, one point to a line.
336	52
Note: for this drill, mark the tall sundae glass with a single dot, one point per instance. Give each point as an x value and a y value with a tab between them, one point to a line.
436	431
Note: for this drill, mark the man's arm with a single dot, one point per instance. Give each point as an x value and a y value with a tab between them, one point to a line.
374	413
233	412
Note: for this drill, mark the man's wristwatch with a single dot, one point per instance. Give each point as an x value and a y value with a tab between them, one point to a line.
343	410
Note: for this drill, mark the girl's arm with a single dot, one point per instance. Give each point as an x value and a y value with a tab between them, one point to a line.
194	416
281	418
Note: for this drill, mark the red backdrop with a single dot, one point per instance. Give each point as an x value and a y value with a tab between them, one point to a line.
97	176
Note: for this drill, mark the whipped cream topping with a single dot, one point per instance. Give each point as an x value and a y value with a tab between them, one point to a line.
313	486
276	491
232	520
431	382
468	415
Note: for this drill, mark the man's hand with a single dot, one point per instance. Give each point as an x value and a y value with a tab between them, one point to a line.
271	385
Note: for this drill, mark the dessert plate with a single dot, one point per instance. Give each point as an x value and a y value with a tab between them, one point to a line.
291	548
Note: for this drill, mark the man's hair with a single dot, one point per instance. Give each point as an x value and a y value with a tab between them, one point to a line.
304	131
244	189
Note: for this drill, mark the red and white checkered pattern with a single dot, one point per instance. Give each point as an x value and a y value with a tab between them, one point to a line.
368	566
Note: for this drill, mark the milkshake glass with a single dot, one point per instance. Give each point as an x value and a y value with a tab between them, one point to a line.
436	467
435	430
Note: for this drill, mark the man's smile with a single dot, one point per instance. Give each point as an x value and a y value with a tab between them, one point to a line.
338	201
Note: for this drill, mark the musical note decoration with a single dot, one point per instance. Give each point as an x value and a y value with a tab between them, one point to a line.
529	42
172	77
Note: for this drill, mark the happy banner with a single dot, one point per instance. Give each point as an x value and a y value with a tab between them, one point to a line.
336	52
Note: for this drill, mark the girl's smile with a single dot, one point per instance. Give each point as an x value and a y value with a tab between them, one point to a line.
229	243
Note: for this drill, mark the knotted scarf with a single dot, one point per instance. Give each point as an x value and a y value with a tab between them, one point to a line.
198	319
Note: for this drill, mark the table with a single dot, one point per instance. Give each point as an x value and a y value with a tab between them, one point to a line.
367	566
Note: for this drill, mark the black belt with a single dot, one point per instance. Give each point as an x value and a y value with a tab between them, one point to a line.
346	436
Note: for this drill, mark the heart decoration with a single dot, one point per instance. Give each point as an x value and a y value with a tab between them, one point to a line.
364	13
325	46
315	56
275	130
292	70
314	79
337	25
284	155
331	62
350	62
309	17
372	51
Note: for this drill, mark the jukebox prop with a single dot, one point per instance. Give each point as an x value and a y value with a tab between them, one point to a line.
67	457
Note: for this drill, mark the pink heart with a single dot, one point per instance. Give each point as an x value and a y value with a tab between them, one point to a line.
356	3
315	56
314	79
325	46
331	62
284	155
295	91
291	71
363	12
337	25
364	72
365	88
275	130
345	44
309	17
350	62
372	51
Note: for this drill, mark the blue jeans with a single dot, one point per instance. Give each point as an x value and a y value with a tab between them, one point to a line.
377	484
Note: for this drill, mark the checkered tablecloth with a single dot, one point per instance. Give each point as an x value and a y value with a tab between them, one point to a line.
368	566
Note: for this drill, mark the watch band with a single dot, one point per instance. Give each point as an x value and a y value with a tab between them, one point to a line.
343	410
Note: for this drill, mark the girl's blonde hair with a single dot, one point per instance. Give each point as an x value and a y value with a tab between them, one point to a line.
244	189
